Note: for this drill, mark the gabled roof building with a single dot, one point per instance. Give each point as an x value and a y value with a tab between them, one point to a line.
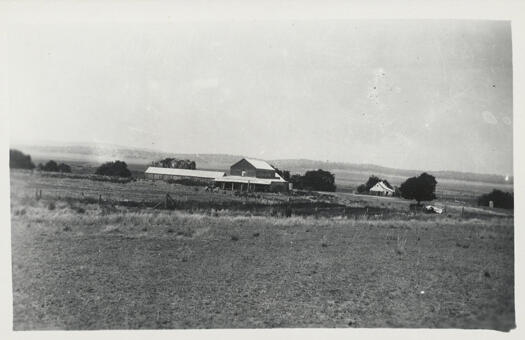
381	189
250	174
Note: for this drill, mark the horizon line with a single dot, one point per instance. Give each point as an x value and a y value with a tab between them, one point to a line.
60	143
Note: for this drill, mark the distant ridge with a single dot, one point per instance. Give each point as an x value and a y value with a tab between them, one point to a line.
377	169
141	156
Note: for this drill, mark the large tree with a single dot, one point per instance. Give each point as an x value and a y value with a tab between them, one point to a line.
50	166
420	188
499	198
372	180
319	180
117	169
18	160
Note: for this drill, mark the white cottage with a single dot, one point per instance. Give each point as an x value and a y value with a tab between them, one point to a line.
381	189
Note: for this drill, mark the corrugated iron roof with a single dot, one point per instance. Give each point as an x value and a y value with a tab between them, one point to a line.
259	164
381	186
184	172
251	180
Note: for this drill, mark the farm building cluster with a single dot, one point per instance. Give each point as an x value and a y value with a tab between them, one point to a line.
245	175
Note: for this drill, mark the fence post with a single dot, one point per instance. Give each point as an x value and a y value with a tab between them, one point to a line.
462	211
99	199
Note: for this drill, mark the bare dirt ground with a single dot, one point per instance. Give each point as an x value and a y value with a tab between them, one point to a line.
84	265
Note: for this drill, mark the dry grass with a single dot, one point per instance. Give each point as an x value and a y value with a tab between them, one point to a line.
85	266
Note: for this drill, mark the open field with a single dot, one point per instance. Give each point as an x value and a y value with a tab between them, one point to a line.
78	264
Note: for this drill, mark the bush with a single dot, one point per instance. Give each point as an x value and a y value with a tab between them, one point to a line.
501	199
297	181
285	174
18	160
63	167
420	188
50	166
397	192
361	188
114	169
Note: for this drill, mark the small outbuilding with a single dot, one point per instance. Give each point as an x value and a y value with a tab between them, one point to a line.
381	189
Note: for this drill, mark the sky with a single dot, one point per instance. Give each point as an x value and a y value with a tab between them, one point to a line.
411	94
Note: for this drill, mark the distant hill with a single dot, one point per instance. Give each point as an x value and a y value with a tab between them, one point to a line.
99	153
141	158
304	164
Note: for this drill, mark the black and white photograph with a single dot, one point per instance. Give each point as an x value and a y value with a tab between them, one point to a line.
171	170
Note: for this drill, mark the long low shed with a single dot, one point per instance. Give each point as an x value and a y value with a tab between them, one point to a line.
244	183
171	173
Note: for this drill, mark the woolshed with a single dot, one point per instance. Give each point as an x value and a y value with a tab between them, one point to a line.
252	175
175	174
381	189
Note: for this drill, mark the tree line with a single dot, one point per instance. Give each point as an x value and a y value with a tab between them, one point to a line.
19	160
423	188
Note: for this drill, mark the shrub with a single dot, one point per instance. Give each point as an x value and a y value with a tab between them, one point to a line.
361	188
500	199
114	169
297	181
51	166
18	160
63	167
400	245
285	174
397	192
79	210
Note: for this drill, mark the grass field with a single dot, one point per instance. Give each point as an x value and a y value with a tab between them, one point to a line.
78	264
